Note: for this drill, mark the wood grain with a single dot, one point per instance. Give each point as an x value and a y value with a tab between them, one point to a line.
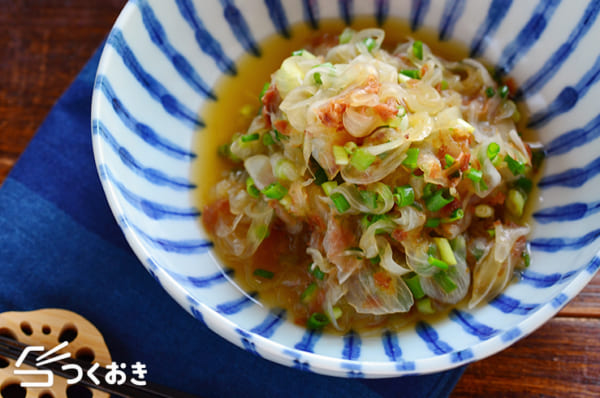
43	45
561	359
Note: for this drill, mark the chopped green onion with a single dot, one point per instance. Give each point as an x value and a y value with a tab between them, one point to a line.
327	64
328	187
490	92
459	244
484	211
449	160
340	202
298	52
491	233
369	219
516	116
361	159
275	191
340	155
414	284
317	78
429	190
444	85
401	111
263	273
369	198
514	166
417	49
264	90
537	157
267	139
465	125
432	222
346	36
412	154
424	306
445	250
437	201
370	43
350	147
317	321
432	249
492	151
399	121
455	216
515	202
444	281
318	172
285	170
404	195
320	176
317	273
309	293
286	202
474	175
412	73
375	260
503	91
224	150
477	253
261	231
437	263
250	137
251	188
279	136
337	312
526	259
525	184
366	221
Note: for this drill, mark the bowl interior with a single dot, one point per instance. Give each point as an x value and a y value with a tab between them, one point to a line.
160	66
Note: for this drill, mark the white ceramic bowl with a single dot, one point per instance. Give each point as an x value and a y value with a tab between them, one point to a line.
158	69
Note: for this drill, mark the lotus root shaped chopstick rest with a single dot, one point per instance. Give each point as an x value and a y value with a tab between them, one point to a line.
48	328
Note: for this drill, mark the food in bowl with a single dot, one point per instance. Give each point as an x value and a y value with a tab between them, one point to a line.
374	186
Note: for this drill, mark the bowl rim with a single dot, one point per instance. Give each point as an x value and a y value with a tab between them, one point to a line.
274	351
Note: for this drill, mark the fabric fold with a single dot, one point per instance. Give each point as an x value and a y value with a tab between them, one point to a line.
62	248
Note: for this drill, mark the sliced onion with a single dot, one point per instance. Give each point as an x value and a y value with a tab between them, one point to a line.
505	240
493	272
514	136
368	240
359	124
387	261
333	293
401	143
375	172
459	274
410	218
368	298
319	260
260	170
352	194
416	248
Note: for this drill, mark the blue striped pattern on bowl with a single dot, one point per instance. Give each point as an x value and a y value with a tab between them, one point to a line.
158	69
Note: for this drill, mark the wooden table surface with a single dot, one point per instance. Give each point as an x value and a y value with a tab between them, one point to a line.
44	44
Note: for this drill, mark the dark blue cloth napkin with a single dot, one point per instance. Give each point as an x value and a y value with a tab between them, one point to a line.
60	247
